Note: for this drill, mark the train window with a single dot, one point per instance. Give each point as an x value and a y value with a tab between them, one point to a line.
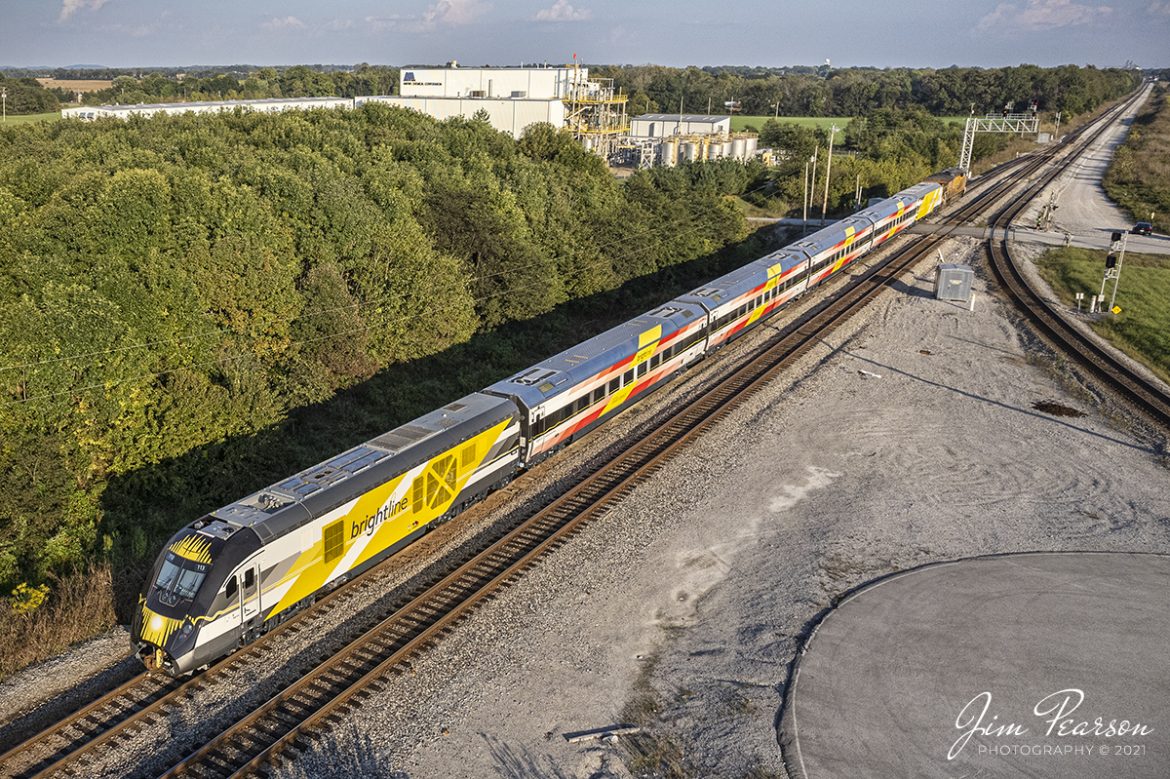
250	576
655	361
467	456
333	541
598	394
582	403
615	385
628	378
232	588
642	368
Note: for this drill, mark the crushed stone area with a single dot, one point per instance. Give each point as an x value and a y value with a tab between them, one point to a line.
914	440
42	694
1084	211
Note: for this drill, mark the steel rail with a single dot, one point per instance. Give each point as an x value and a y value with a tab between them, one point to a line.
1148	396
125	709
286	722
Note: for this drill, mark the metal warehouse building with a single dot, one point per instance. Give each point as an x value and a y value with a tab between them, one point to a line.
665	125
268	105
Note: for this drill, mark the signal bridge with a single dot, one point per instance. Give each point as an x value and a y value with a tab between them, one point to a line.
995	123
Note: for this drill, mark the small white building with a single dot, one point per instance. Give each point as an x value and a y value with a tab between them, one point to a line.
666	125
211	107
534	83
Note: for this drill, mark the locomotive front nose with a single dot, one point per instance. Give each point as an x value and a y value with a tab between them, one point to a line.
163	643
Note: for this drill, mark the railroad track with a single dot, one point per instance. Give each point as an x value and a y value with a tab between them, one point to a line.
346	675
1101	362
289	721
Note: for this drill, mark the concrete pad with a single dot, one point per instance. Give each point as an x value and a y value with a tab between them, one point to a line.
1018	665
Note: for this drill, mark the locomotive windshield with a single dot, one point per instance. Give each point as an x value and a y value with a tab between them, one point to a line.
179	579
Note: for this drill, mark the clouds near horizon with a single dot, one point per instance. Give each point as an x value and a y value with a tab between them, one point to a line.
139	33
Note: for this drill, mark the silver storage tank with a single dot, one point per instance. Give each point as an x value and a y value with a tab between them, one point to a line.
668	152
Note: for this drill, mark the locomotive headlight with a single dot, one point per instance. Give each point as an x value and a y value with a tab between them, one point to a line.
156	623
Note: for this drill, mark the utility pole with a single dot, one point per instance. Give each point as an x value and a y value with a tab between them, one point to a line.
1056	132
828	171
812	183
4	101
804	200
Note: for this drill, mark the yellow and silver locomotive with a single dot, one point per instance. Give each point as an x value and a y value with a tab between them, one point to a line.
232	575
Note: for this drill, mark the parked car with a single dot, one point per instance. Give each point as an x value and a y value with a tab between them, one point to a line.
1142	228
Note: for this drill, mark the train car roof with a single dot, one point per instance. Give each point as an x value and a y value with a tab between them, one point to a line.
291	502
889	206
743	279
561	372
834	234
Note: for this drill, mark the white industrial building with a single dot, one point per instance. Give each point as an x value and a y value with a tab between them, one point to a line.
542	83
512	98
665	125
511	115
213	107
668	139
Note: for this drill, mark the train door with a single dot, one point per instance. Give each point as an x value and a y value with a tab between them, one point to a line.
249	585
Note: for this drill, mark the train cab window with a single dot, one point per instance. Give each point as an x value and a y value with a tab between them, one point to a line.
179	579
232	588
249	578
615	385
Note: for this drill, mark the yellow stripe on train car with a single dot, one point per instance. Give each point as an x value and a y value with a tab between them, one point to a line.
441	480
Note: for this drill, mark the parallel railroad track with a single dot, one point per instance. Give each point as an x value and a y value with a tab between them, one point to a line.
286	722
1148	396
291	720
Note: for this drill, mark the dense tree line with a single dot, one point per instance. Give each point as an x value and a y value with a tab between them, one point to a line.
296	81
26	96
856	91
170	283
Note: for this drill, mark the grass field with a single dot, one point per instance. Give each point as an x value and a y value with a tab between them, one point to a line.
76	85
741	123
1142	329
25	118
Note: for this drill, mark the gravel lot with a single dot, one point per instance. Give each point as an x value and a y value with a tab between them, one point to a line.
697	589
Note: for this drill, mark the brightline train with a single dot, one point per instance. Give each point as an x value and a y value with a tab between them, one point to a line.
232	575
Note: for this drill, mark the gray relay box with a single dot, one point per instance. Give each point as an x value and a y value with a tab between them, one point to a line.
953	282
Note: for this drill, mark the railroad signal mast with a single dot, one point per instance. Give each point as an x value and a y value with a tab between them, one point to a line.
1005	122
1113	261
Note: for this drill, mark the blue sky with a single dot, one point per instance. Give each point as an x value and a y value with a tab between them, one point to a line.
922	33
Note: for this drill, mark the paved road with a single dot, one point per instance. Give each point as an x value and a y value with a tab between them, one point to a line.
1084	209
897	675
